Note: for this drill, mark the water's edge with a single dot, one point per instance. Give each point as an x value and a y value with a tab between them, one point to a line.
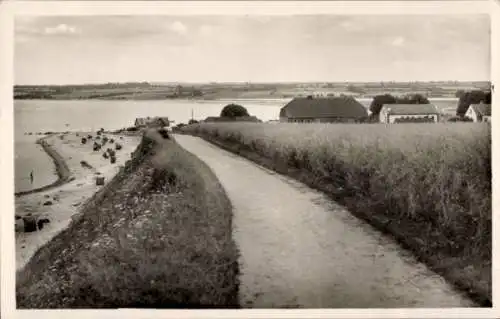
62	170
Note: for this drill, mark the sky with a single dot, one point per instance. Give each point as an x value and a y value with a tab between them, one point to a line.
316	48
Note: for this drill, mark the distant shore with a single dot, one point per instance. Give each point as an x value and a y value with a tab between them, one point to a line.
220	91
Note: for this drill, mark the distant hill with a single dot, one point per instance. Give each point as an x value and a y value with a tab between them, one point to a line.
159	91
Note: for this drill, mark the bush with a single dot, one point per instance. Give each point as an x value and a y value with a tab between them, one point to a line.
84	140
163	179
164	133
118	146
460	119
233	110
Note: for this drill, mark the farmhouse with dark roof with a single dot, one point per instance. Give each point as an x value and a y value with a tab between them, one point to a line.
310	109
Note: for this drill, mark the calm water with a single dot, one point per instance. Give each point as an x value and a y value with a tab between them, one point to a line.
45	115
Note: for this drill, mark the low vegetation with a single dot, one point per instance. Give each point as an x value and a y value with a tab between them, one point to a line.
429	185
160	239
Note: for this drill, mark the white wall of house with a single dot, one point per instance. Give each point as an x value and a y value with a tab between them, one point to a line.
472	114
383	115
392	118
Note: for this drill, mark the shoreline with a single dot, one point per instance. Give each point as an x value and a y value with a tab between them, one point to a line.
62	169
60	202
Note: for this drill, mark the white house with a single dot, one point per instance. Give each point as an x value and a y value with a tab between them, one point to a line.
479	112
403	113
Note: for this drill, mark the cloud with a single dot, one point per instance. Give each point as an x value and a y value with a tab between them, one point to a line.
178	27
351	26
398	41
61	29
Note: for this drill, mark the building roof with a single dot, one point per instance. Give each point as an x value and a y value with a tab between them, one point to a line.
163	120
482	109
324	107
140	121
143	121
411	109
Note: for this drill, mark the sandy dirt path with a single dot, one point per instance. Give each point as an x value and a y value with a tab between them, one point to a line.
300	249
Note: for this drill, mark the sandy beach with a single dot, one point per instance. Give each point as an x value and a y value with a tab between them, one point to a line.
60	203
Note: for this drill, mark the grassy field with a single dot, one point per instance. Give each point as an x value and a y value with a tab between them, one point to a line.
161	239
429	185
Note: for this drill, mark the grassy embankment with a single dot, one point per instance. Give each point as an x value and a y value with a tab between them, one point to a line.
160	238
428	185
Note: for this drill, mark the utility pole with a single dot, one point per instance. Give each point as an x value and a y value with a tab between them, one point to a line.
192	116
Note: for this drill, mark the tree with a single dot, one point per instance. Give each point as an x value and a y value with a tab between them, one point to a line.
233	110
413	99
459	93
192	122
378	101
355	89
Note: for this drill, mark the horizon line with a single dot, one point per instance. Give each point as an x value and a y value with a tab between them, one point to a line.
256	82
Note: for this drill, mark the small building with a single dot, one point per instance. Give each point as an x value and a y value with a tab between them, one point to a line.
152	122
409	113
343	109
479	112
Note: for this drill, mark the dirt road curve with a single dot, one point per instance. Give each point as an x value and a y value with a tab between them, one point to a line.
298	249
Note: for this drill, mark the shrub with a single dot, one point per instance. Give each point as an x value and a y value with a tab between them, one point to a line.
163	179
233	110
164	133
460	119
84	140
118	146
